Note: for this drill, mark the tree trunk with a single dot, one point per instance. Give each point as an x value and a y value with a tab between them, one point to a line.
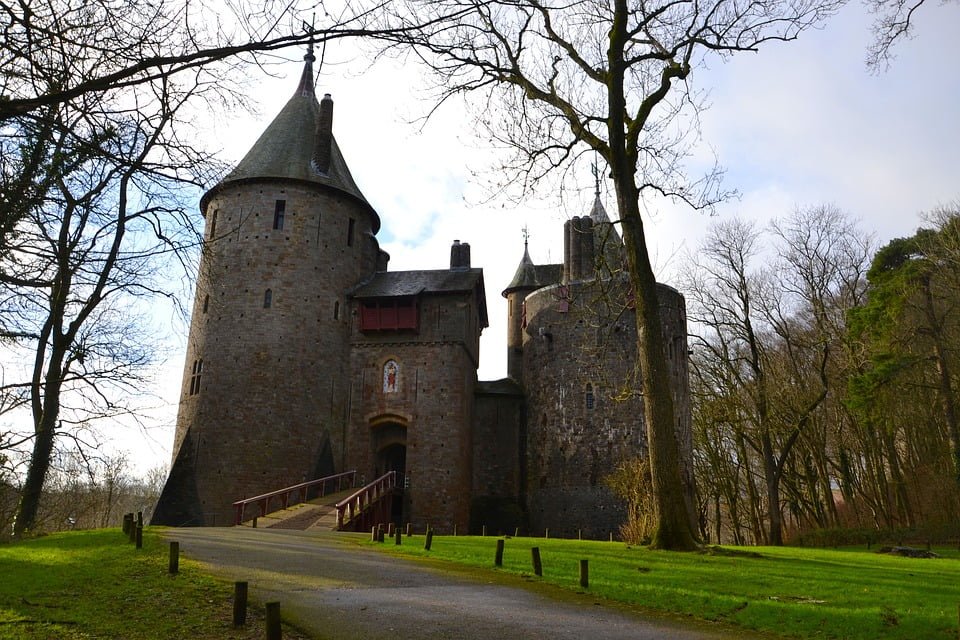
773	492
674	528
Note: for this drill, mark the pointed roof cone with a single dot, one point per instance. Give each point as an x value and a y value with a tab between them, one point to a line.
607	242
287	148
526	275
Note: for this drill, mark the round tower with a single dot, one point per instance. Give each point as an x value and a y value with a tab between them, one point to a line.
287	233
524	281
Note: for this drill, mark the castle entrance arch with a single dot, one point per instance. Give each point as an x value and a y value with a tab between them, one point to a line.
388	439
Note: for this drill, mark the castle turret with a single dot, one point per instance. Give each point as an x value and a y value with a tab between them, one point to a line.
528	277
287	233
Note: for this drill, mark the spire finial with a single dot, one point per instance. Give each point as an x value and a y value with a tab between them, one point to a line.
596	178
305	88
308	28
526	237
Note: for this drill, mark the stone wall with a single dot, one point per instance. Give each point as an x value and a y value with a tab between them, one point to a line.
499	444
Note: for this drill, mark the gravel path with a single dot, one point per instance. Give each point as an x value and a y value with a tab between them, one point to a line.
335	590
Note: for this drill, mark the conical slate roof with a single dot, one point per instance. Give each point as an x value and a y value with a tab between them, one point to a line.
287	148
605	238
530	276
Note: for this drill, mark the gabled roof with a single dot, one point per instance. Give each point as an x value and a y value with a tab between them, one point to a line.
285	150
391	284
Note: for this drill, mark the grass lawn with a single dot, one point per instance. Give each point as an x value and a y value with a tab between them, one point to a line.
95	584
790	591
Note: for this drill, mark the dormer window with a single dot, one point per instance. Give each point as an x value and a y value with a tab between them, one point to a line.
391	314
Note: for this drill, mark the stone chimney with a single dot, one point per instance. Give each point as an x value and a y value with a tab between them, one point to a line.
322	149
459	255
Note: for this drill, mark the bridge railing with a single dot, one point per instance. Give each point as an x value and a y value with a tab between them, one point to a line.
368	504
342	481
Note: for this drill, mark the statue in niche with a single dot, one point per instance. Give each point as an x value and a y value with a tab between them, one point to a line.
391	376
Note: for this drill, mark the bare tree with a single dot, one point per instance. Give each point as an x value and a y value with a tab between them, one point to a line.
893	22
611	77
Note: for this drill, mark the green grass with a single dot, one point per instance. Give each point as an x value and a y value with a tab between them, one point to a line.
95	584
788	591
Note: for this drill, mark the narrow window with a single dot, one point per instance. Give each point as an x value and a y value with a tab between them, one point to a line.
213	223
267	298
278	214
350	228
336	310
206	303
589	397
195	377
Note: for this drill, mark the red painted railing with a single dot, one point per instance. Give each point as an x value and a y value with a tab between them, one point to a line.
367	505
343	480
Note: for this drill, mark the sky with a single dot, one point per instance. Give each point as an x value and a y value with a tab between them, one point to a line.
797	124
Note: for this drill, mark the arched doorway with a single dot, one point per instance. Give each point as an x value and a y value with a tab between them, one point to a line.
389	443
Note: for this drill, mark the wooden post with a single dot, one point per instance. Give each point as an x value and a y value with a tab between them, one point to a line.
174	566
380	533
132	531
390	530
139	518
579	534
498	560
611	536
239	604
139	536
516	532
255	522
454	531
397	536
537	565
373	534
546	533
273	621
584	574
127	521
429	541
409	529
484	533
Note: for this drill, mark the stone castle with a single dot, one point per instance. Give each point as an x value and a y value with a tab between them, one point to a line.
308	357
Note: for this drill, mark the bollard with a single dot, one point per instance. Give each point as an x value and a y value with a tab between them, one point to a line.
373	534
484	532
255	521
239	604
429	540
273	621
516	532
537	565
579	534
611	536
454	531
139	536
127	521
498	560
546	534
139	518
409	529
584	574
174	566
397	536
132	531
380	533
390	530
